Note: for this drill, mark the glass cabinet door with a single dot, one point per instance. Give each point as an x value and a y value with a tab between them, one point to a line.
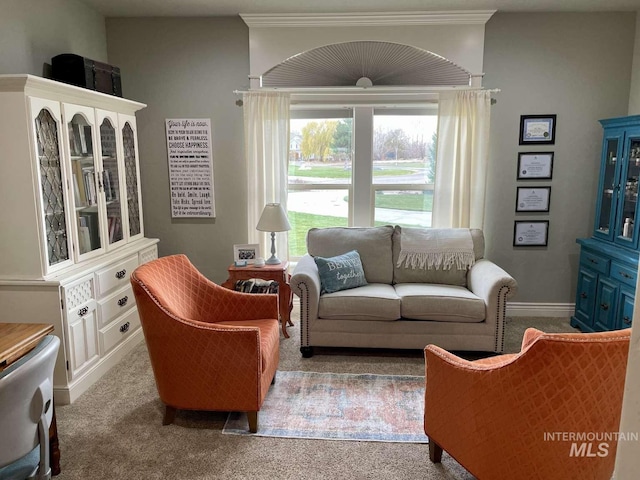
47	123
608	186
626	219
111	177
86	184
130	153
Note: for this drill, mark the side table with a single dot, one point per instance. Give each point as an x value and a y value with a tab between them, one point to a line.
278	273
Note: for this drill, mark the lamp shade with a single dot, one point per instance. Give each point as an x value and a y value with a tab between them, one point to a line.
273	219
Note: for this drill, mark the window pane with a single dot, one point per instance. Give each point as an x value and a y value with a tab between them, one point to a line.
407	208
314	208
320	150
404	148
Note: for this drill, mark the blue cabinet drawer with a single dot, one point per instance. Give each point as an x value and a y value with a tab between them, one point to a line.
595	262
624	273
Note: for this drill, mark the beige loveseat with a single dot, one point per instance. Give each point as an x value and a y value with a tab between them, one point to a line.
400	307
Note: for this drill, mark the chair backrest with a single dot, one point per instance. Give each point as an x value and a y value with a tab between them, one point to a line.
26	403
176	284
567	384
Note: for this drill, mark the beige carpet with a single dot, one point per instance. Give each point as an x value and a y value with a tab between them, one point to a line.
114	430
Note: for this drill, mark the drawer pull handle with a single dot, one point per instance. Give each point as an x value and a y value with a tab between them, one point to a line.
583	295
83	311
123	301
626	320
124	328
604	306
120	275
593	261
625	275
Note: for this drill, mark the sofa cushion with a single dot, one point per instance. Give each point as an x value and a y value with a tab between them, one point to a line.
422	275
374	301
340	272
372	243
444	303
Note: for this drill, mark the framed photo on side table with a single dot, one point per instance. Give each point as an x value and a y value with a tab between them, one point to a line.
533	199
530	233
246	252
535	165
537	129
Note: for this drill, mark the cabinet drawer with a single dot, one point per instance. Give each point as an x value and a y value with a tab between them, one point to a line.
114	305
596	262
116	332
115	276
624	273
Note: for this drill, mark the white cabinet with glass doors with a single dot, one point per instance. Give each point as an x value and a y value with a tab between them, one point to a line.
71	221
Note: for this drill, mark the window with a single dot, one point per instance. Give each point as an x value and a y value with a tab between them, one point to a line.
360	166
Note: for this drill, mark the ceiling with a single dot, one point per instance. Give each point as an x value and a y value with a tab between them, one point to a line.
186	8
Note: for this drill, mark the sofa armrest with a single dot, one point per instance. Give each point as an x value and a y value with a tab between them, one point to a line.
495	286
486	280
305	283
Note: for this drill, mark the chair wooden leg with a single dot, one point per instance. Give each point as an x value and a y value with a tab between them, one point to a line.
435	451
169	415
253	421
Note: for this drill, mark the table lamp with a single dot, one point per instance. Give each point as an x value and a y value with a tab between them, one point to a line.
273	219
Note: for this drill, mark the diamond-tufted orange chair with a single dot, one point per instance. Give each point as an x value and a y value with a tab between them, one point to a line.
550	412
210	348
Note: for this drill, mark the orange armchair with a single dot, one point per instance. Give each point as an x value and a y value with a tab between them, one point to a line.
210	348
550	412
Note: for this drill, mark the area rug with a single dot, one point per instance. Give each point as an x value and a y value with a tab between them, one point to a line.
331	406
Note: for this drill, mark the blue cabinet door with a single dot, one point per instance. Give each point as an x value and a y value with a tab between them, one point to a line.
609	184
625	318
627	211
586	296
606	305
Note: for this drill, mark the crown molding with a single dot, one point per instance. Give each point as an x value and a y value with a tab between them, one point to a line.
373	19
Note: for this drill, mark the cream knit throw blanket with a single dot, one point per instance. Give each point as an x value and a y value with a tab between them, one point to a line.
436	248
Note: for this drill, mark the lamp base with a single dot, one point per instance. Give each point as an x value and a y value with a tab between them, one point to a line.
272	261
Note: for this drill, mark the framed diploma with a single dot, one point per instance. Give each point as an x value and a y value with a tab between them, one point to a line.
535	165
533	233
533	199
537	129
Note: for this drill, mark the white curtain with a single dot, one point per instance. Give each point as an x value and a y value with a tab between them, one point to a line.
462	157
266	135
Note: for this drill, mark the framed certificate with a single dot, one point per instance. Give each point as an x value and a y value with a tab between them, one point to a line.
533	199
537	129
535	165
534	233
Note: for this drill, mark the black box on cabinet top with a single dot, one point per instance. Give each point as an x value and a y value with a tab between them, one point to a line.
87	73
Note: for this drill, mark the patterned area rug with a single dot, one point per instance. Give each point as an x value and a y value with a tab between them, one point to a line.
331	406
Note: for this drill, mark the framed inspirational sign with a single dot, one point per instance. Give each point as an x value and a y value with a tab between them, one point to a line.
190	167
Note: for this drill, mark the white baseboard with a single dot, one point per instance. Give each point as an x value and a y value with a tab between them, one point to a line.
524	309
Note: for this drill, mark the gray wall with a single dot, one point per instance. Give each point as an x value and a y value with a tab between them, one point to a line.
577	66
33	31
188	68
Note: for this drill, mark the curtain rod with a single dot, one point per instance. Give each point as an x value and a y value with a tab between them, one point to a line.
362	90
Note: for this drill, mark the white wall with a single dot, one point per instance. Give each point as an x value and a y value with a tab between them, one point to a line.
461	44
33	31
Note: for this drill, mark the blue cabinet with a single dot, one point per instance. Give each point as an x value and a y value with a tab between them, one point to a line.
609	260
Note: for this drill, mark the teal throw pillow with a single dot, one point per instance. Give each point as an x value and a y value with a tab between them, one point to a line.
341	272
